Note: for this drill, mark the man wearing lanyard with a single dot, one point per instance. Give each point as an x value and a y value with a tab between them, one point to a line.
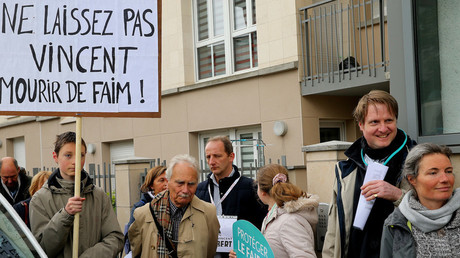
382	142
231	193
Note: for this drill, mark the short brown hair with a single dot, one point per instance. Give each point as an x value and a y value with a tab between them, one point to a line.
281	192
372	98
67	137
38	180
228	147
151	176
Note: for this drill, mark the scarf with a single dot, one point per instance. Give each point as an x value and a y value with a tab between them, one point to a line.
429	220
271	215
160	205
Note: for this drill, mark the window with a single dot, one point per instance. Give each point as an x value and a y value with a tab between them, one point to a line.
248	149
19	150
247	146
437	62
331	131
376	9
225	37
120	150
15	238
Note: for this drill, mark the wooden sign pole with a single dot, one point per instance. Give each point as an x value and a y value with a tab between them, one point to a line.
76	222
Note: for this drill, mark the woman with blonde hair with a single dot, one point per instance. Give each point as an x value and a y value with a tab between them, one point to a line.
292	217
22	208
155	182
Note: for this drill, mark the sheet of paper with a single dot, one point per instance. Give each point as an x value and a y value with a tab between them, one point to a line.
225	240
375	171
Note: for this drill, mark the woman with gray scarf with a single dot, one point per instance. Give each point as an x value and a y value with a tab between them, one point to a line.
427	222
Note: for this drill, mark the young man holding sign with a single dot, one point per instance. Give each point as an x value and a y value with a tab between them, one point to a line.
383	145
53	207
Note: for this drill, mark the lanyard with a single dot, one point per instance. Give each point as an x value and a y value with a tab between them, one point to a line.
225	195
392	155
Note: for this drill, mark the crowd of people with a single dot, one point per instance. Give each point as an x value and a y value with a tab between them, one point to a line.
412	207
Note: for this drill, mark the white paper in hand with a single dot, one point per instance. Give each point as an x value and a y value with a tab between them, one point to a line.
375	171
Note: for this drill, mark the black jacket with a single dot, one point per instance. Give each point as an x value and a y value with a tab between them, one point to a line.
23	192
366	242
242	201
22	209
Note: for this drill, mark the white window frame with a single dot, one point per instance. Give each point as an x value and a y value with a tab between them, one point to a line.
229	34
340	124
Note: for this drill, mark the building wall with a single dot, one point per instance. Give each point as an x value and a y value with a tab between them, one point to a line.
257	98
177	44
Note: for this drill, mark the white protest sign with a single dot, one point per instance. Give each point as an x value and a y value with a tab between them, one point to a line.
225	238
87	57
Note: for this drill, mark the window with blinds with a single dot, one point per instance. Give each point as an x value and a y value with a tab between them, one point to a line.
226	38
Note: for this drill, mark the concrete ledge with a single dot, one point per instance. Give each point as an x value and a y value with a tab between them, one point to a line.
133	160
26	119
231	78
327	146
18	120
296	167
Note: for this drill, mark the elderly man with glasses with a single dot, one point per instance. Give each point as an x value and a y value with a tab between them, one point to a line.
176	223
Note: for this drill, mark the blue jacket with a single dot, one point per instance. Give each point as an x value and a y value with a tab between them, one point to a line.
145	198
22	208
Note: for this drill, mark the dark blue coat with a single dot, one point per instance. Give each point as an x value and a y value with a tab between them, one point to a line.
22	208
145	198
242	201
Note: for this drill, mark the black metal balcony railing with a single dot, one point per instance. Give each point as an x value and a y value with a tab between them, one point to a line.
344	45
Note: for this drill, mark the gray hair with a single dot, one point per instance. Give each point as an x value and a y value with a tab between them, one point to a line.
412	164
181	158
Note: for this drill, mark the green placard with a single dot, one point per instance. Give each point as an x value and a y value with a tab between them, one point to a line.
249	242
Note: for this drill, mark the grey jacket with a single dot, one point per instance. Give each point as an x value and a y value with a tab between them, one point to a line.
397	240
52	226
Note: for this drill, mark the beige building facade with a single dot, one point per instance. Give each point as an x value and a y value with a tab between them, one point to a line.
242	71
250	100
243	104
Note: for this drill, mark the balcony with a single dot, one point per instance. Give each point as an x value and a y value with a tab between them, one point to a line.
344	47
